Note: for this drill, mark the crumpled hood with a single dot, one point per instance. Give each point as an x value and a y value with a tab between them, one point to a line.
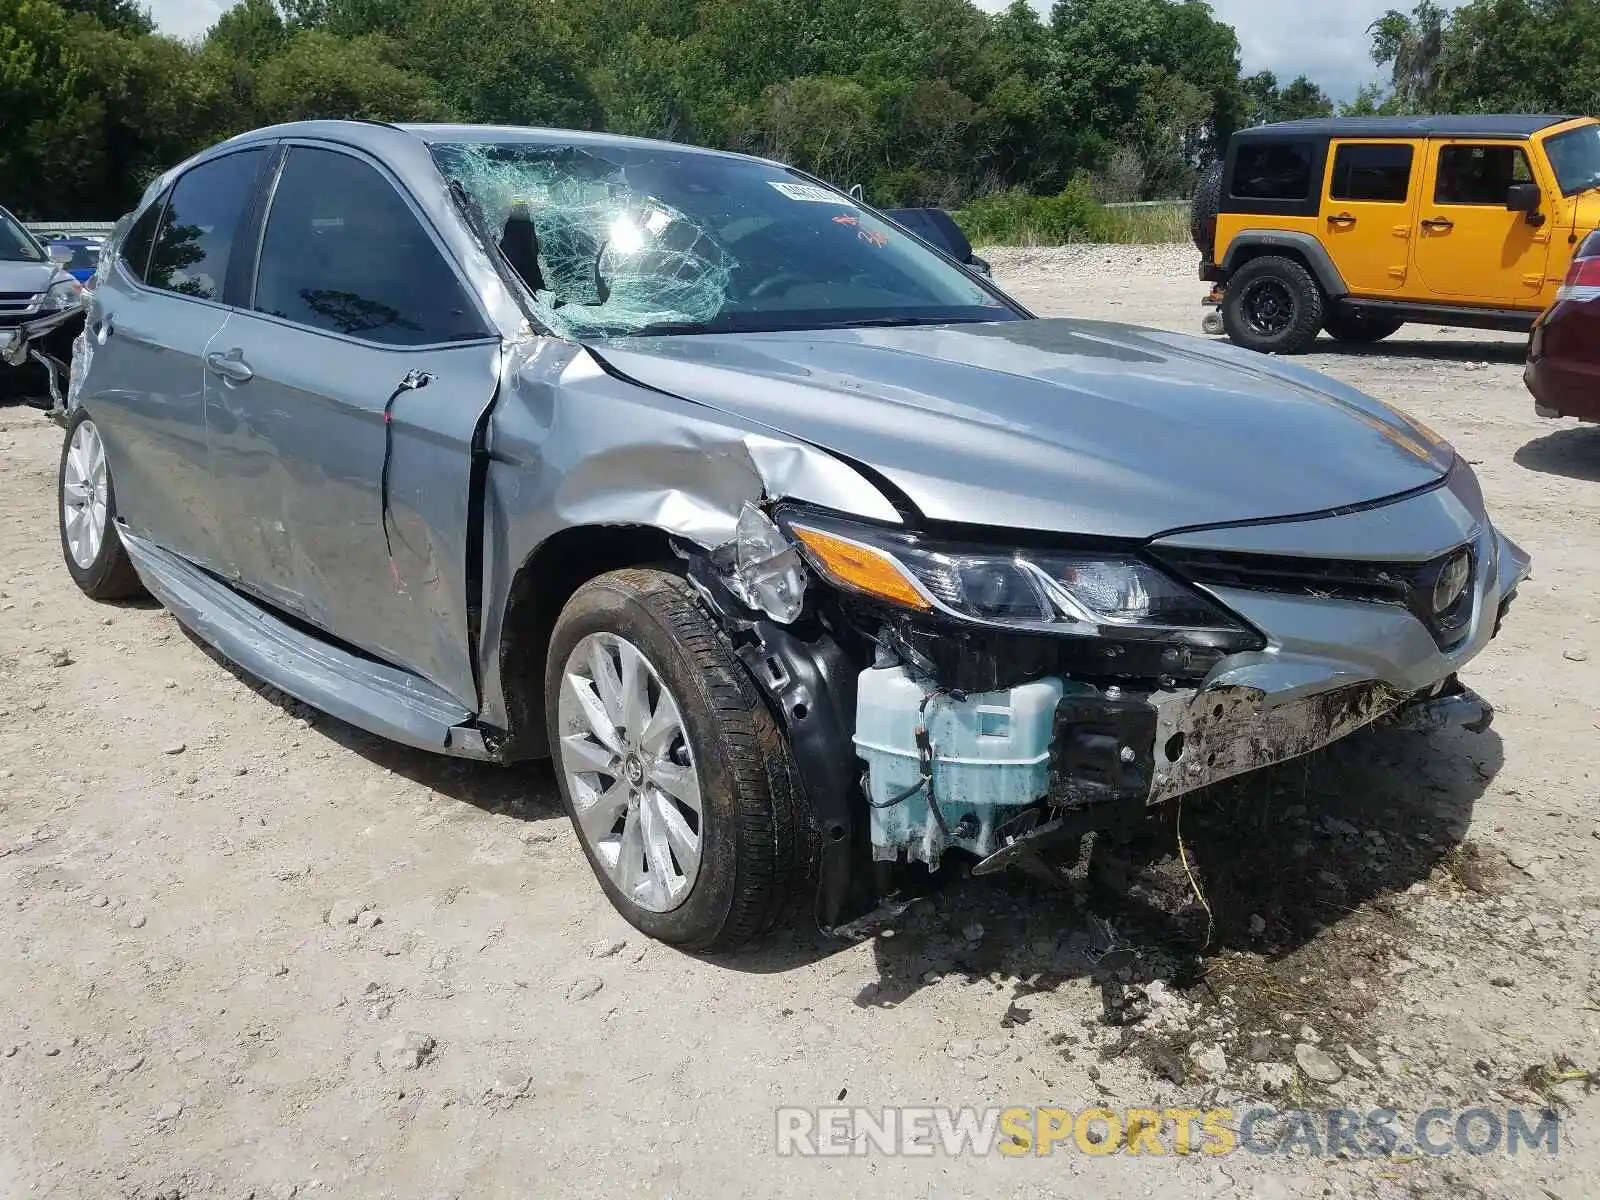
30	277
1062	425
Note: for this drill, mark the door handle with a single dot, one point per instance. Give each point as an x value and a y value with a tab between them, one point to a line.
231	366
1343	220
1441	223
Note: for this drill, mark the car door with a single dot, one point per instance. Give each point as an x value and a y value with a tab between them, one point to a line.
1371	192
150	324
346	396
1469	246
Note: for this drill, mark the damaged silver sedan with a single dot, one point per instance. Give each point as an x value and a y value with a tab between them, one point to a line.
800	548
41	306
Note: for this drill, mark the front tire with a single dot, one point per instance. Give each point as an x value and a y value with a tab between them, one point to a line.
1273	305
86	508
1358	328
680	786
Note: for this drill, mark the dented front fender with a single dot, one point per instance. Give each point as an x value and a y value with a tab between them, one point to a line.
571	444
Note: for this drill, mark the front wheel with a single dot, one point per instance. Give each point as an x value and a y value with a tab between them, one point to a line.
680	786
1273	305
1359	328
86	503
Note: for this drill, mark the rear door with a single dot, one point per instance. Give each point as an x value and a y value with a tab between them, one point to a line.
1371	193
346	490
1469	246
150	324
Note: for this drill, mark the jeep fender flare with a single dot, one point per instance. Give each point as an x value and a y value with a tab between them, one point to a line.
1252	243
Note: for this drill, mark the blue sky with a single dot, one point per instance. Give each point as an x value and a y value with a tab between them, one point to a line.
1327	41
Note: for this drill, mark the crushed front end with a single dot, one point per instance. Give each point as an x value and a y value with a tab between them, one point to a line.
38	326
946	691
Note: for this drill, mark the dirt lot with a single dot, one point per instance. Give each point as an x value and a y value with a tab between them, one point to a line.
188	1006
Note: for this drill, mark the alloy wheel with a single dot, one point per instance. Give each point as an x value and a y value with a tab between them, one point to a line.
84	495
630	772
1268	307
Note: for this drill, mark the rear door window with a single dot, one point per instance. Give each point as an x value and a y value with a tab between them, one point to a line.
195	241
1479	174
1379	173
135	247
343	252
1266	170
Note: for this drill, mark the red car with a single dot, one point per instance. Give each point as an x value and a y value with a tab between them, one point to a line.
1563	371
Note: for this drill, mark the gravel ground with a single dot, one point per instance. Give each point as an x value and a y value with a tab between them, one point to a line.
247	950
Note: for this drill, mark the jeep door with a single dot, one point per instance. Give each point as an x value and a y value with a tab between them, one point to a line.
1368	212
1469	246
347	490
151	322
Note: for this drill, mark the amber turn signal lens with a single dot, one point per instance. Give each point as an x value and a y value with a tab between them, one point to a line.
853	565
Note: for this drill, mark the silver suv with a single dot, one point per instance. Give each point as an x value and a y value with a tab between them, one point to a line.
798	545
41	307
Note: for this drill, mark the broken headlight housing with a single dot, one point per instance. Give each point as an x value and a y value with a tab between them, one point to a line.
63	294
1087	593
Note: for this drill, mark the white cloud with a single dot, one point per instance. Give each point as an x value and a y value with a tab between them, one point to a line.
186	18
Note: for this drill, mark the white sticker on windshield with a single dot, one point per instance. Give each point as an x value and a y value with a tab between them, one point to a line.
810	193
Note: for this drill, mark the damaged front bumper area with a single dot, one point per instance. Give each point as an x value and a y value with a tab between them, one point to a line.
45	339
979	772
917	732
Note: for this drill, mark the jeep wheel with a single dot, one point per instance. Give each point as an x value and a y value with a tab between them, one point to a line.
680	786
1203	210
1274	306
1359	327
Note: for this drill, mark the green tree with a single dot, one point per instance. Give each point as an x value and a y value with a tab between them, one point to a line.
1411	47
318	74
252	30
1266	102
1522	56
1370	101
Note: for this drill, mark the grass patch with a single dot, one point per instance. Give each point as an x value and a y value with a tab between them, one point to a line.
1019	218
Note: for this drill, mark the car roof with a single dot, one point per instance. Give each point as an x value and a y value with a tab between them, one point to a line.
370	135
532	136
1479	125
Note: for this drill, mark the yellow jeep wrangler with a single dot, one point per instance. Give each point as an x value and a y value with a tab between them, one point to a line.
1358	225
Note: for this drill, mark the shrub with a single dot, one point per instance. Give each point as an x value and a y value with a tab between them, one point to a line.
1017	218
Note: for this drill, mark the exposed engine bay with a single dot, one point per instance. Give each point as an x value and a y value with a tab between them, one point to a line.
919	735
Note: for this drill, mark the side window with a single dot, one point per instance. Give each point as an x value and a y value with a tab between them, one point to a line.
1378	173
196	235
345	253
135	251
1479	174
1264	170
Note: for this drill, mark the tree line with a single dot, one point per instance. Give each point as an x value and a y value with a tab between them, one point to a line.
920	101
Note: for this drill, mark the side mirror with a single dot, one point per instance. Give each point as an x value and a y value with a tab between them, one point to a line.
1524	198
60	255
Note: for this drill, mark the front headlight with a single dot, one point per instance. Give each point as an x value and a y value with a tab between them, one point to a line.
63	294
1088	593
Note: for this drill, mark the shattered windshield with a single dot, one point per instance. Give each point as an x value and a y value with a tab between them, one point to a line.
16	243
618	241
1575	155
